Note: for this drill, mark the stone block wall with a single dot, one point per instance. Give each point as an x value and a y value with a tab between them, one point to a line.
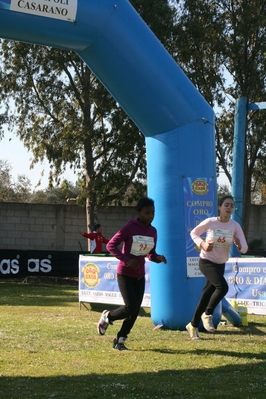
56	227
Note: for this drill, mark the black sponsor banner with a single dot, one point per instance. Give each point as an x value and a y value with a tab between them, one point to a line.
21	264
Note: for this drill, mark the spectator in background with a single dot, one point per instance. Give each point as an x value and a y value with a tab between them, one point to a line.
96	239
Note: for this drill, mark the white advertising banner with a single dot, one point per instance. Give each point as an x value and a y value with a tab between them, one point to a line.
59	9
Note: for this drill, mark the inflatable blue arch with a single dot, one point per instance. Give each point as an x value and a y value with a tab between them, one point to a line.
177	122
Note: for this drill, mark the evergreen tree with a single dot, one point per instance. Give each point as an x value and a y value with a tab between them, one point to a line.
221	46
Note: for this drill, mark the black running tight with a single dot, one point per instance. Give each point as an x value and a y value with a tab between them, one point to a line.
214	290
132	291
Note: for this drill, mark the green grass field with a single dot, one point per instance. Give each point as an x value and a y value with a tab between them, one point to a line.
49	348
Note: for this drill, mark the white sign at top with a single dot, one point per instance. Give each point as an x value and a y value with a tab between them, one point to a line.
59	9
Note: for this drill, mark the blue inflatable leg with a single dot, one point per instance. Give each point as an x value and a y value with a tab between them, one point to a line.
230	313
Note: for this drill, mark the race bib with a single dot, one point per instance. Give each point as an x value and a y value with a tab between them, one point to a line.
222	238
141	245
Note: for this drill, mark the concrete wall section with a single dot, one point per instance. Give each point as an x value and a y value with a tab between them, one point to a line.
56	227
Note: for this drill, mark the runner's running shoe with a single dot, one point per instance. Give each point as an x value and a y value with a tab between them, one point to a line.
103	323
119	344
207	322
193	332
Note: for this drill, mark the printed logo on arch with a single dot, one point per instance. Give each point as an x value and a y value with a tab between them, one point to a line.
199	187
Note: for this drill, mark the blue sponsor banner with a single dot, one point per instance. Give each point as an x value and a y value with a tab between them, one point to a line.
98	282
199	204
246	278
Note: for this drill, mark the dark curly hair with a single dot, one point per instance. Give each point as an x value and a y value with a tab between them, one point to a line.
144	202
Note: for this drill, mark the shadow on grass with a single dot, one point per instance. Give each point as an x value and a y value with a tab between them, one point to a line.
37	293
211	352
100	307
24	294
251	329
232	382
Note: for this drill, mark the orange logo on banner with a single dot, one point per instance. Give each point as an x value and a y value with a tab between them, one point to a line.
199	187
91	278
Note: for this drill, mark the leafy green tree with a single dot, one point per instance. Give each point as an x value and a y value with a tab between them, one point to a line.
19	190
13	191
6	190
221	46
160	16
223	190
58	195
65	115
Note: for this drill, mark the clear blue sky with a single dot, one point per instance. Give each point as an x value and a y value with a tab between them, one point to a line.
13	151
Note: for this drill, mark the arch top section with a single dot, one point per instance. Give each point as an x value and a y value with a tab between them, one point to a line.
67	24
120	49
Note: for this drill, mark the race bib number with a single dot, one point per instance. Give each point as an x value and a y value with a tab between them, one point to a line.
222	238
141	245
